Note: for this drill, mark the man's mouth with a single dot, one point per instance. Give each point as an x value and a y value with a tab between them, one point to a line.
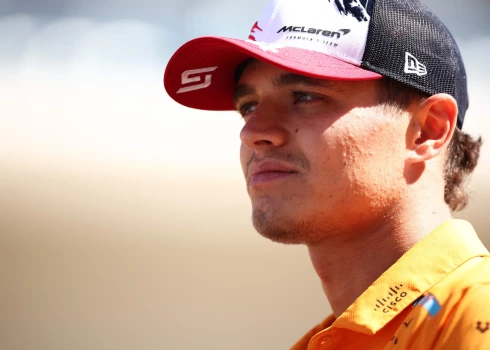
269	171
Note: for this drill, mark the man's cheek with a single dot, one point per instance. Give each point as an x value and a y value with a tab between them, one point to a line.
245	155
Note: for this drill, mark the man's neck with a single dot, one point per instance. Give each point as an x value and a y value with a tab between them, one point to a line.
348	264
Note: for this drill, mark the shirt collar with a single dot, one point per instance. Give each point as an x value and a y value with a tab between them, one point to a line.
420	268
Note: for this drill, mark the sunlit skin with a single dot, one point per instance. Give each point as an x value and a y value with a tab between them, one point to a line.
327	166
347	155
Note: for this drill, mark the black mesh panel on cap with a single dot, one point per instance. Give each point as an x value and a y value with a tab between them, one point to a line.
401	26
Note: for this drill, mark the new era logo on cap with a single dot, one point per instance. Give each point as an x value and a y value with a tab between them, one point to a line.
413	66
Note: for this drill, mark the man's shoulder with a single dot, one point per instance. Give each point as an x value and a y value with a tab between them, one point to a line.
462	289
474	272
464	323
455	313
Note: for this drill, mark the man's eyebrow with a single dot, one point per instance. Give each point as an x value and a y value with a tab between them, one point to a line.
242	90
297	79
284	80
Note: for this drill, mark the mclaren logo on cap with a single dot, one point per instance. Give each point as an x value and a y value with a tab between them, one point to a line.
303	29
195	76
413	66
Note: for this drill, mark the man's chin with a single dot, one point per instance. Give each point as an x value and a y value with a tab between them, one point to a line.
280	230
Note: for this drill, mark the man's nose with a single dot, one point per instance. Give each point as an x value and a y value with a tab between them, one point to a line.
263	131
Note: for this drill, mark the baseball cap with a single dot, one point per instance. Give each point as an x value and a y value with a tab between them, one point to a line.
328	39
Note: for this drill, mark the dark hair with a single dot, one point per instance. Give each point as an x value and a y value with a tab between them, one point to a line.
240	68
463	150
462	158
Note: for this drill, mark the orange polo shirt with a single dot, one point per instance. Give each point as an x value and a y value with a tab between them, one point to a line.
436	296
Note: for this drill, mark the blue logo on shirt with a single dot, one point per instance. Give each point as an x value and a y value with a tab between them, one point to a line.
430	303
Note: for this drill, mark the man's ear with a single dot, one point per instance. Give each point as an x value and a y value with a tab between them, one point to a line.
431	127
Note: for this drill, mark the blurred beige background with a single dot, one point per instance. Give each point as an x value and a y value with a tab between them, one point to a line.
124	220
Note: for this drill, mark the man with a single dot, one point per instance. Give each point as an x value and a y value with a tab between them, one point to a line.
352	145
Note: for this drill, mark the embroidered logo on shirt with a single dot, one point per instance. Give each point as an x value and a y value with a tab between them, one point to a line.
481	328
394	296
430	303
408	323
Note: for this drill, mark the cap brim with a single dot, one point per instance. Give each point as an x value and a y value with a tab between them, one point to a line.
214	60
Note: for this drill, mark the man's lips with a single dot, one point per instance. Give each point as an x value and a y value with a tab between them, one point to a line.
267	171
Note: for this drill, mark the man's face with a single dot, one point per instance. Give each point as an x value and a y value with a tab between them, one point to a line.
319	157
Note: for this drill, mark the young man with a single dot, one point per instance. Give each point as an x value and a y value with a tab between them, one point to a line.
352	145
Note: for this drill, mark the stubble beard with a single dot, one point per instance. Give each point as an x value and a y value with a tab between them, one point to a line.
286	230
271	224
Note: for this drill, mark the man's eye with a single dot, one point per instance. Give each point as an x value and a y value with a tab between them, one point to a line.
304	97
246	109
